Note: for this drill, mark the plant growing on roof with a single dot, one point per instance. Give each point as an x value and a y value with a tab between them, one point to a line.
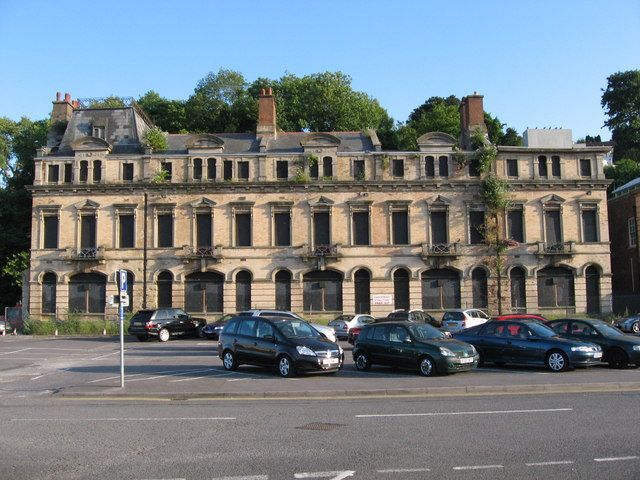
385	162
486	152
311	159
156	139
160	177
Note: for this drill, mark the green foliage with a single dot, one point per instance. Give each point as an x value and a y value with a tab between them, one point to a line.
622	172
486	153
385	162
73	325
621	100
301	176
511	138
161	176
156	139
168	115
311	159
494	192
111	101
13	267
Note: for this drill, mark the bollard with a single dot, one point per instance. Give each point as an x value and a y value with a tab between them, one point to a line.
55	334
104	332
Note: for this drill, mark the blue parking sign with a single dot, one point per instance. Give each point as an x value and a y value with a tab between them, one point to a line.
123	281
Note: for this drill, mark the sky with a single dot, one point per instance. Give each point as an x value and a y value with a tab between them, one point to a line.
538	64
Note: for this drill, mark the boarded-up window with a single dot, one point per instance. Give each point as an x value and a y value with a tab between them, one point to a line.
589	225
555	287
585	167
443	166
50	224
476	227
398	168
49	293
480	291
203	292
97	171
552	226
362	287
358	170
165	230
211	168
84	170
542	166
87	293
512	167
401	289
429	166
243	229
126	230
204	231
400	226
518	290
88	231
127	172
165	289
516	225
197	168
592	280
438	227
555	166
283	290
361	228
228	170
282	229
282	169
243	170
440	289
321	232
243	291
68	173
322	291
327	167
53	174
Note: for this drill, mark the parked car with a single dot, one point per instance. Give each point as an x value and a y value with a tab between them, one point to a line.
629	324
5	325
455	320
418	316
412	345
344	323
520	316
289	344
618	349
528	342
323	329
212	330
165	323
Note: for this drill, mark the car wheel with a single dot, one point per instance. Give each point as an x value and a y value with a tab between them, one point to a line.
229	361
557	361
200	332
480	359
617	358
635	328
142	338
427	367
163	335
285	367
362	362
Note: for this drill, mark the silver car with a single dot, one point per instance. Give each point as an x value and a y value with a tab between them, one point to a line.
459	319
342	324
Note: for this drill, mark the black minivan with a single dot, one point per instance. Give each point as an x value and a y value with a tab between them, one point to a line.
289	344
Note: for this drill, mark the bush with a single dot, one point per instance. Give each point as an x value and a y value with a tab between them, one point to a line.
74	325
156	139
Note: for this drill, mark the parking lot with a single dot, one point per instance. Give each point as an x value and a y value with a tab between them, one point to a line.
190	367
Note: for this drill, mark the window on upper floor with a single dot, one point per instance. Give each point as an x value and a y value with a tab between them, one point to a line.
50	235
84	170
204	229
400	227
282	169
443	166
474	167
555	166
589	224
438	224
167	167
542	166
313	169
227	173
327	167
360	227
197	169
282	228
243	170
97	171
398	168
476	227
429	166
585	167
321	228
553	226
512	167
358	170
68	172
211	168
127	172
633	234
165	230
53	173
126	230
515	224
243	229
98	132
88	231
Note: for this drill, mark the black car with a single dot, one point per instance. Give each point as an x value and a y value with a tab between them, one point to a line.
417	316
619	350
528	342
291	345
412	345
165	323
212	330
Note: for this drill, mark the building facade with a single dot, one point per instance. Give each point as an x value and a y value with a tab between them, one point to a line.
312	222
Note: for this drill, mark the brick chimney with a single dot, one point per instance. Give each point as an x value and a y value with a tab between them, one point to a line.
471	118
266	113
62	109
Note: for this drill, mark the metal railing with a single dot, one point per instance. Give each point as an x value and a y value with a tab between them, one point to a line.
442	249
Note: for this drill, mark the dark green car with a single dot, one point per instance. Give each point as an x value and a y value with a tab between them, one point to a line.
619	350
412	345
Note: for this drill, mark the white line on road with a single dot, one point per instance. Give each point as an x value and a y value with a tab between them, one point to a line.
487	412
124	419
246	477
404	470
15	351
477	467
36	378
544	464
338	475
105	355
616	459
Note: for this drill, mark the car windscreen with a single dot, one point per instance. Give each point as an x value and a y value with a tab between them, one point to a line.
453	316
607	330
424	331
296	329
541	330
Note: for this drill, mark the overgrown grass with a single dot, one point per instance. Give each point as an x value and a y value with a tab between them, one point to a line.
73	326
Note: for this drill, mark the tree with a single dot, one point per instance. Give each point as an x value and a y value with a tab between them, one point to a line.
168	115
511	138
436	114
622	172
621	100
112	101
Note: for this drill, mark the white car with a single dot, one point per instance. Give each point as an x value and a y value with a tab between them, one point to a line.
344	323
459	319
323	329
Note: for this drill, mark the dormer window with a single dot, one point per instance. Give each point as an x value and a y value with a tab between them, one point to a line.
98	132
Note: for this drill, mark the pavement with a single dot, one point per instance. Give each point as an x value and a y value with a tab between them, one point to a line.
184	369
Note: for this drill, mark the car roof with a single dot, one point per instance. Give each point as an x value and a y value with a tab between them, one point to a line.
586	320
519	316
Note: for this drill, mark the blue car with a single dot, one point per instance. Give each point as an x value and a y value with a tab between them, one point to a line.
629	324
529	342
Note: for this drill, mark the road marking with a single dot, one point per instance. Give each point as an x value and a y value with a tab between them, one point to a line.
338	475
404	470
616	459
246	477
36	378
477	467
15	351
487	412
173	374
543	464
123	419
129	376
105	355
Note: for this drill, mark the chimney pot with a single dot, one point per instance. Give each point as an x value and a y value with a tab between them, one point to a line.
269	91
262	91
58	96
67	97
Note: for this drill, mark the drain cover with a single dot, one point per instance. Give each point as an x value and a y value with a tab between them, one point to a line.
320	426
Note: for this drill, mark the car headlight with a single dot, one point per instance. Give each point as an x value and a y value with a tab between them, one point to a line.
446	352
305	351
636	348
584	349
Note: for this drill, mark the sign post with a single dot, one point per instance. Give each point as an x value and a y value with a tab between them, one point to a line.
122	281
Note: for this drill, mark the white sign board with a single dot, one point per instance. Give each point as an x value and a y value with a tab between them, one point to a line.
382	299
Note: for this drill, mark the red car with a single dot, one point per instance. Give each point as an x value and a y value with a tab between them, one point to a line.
520	316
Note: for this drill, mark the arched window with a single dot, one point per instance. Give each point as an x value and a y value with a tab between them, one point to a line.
362	285
518	290
197	169
480	293
87	293
49	293
440	289
203	292
211	168
543	170
592	279
429	166
283	290
556	287
97	171
443	165
243	290
165	289
401	289
322	291
327	167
